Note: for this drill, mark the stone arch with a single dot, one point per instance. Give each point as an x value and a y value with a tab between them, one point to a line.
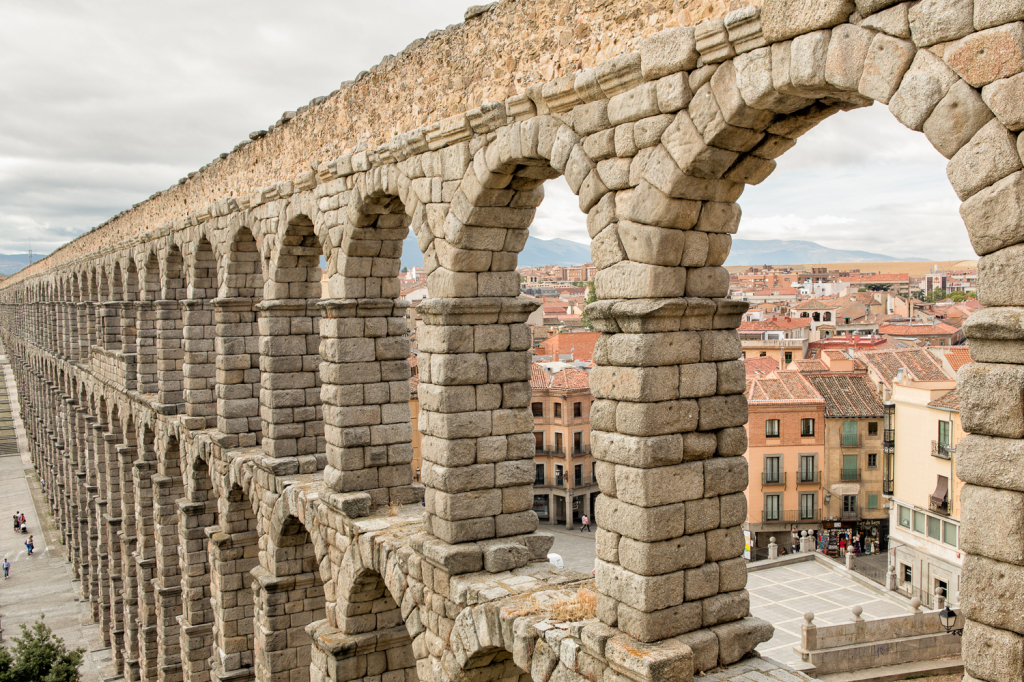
237	343
199	369
197	523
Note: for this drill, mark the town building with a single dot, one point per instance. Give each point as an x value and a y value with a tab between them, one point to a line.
781	338
924	509
565	485
785	454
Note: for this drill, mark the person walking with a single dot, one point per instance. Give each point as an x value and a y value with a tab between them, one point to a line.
30	545
17	521
7	568
586	524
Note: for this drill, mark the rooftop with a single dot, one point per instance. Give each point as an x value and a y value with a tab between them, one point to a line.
847	395
918	362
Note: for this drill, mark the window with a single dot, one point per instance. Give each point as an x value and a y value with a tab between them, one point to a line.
771	428
539	437
559	443
578	470
762	354
558	409
577	443
849	434
538	477
905	517
908	574
772	507
949	531
919	522
934	528
849	504
806	427
577	409
538	409
872	461
944	431
872	501
872	428
559	474
850	472
808	470
771	469
789	357
808	506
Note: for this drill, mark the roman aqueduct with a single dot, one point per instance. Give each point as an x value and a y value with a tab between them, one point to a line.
227	455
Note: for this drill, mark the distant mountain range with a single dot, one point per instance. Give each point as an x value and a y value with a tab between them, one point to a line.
540	252
10	263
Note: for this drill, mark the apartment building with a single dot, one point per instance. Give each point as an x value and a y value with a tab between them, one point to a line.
786	450
781	338
924	508
853	503
565	487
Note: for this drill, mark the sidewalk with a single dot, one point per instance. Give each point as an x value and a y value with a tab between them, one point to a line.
41	583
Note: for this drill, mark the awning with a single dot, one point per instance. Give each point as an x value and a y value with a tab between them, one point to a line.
941	487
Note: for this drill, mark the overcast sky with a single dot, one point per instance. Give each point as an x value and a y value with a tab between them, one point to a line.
105	103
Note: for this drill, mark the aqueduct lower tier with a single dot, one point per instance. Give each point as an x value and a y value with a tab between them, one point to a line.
228	456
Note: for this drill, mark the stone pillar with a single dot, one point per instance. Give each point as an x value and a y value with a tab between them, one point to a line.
668	437
195	524
167	489
129	349
552	515
84	313
110	325
365	371
145	341
112	525
478	444
145	566
93	334
238	373
290	385
282	645
199	367
169	355
129	577
234	552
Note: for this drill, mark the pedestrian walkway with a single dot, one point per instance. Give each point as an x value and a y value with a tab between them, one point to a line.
782	595
576	548
42	583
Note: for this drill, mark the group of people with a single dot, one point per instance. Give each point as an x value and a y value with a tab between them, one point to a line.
20	526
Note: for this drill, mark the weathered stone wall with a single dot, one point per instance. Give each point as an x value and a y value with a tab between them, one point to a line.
279	423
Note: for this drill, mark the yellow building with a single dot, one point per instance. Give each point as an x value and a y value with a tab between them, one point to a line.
925	505
565	487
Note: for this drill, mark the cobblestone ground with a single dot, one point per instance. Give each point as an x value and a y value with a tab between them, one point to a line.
41	584
576	548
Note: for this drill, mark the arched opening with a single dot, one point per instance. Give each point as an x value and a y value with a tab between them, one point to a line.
169	353
290	348
237	344
197	522
200	369
144	469
234	552
146	327
168	488
364	352
111	326
129	325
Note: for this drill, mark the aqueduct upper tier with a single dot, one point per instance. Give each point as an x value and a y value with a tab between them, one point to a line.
228	455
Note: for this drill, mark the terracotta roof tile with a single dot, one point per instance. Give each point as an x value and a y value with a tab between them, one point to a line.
921	364
950	401
765	365
847	395
781	387
958	356
938	329
578	344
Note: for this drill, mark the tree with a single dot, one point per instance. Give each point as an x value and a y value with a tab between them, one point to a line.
39	656
405	269
590	298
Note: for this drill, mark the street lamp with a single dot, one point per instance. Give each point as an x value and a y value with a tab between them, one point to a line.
948	618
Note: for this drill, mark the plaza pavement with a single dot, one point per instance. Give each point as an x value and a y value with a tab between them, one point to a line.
41	583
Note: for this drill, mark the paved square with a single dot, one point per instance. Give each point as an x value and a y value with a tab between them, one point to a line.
782	595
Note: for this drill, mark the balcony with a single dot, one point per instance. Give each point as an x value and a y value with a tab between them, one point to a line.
888	485
942	451
805	476
852	474
773	343
791	516
773	478
942	509
550	452
581	451
540	480
850	515
851	440
889	441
